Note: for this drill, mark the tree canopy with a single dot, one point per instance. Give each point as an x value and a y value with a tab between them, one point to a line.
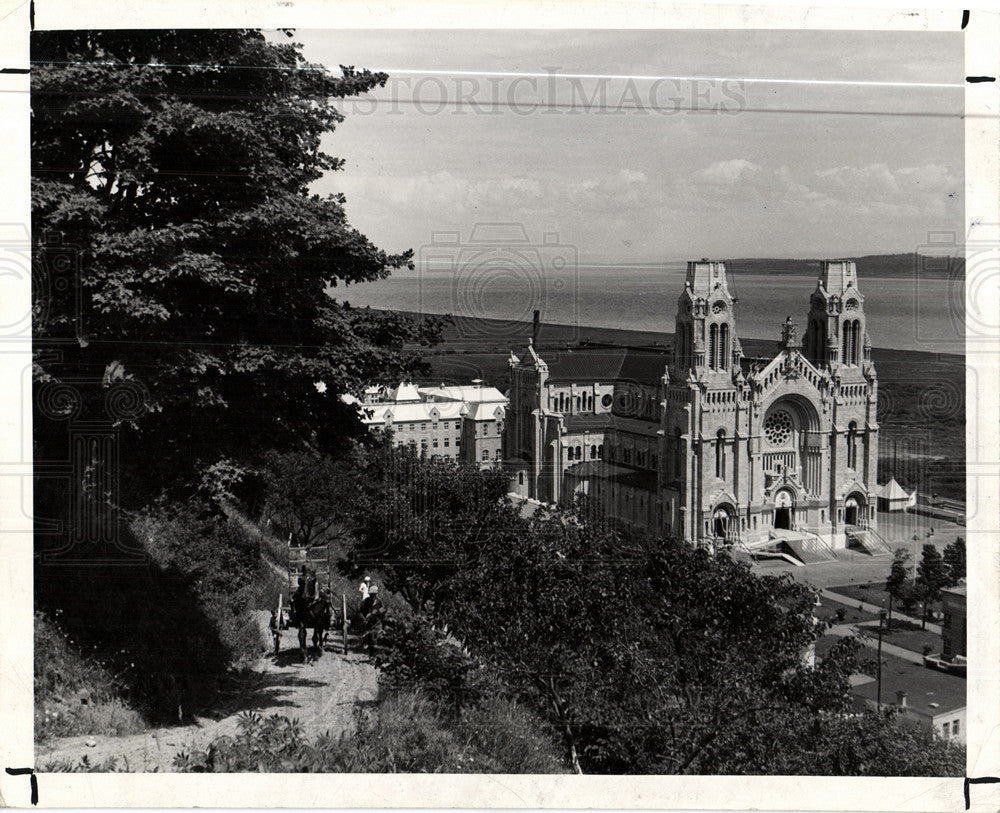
647	656
171	175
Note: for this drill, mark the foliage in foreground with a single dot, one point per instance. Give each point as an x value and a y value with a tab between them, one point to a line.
406	733
646	656
76	693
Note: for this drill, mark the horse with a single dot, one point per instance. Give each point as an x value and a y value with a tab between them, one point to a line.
315	614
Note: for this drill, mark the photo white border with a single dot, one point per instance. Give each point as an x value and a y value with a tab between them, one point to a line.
382	791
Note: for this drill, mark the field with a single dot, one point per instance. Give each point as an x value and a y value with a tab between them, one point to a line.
921	407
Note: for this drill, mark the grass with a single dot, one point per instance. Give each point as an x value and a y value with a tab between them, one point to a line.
909	636
827	611
77	693
874	593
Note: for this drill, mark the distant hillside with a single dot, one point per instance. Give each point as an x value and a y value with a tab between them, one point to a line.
869	267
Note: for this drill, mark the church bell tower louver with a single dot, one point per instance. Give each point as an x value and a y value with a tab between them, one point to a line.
705	327
836	334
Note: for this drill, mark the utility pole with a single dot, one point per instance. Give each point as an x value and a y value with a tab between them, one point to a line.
878	687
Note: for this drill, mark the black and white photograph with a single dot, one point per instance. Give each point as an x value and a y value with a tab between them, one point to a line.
555	400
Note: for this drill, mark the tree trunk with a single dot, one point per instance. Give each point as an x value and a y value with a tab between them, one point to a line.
888	625
557	704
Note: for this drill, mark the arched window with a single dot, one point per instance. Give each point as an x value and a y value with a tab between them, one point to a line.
600	450
520	478
713	347
852	449
678	454
577	403
486	454
720	453
593	452
724	351
856	340
845	341
579	452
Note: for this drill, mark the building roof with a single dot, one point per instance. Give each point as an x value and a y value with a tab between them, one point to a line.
588	422
604	421
607	364
403	393
923	686
616	473
893	491
485	411
473	393
956	589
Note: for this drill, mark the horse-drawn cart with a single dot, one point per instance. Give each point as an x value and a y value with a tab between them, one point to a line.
308	607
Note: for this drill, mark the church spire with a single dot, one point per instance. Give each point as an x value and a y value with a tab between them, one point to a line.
705	337
836	333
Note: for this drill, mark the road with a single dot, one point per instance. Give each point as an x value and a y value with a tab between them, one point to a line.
322	695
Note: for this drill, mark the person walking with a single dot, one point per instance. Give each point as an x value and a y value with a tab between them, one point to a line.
372	612
364	587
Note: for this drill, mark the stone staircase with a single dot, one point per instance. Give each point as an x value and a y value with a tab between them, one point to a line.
868	540
805	545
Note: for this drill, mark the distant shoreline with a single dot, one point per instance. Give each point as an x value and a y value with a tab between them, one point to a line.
497	335
872	266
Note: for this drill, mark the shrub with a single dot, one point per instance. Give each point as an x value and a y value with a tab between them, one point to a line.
417	655
76	693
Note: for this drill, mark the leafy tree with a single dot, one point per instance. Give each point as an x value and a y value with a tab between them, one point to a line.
420	521
308	493
954	561
897	579
171	174
931	577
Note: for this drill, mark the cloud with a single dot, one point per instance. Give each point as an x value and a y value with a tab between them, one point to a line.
730	172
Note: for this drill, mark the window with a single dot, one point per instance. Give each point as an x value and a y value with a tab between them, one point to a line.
423	427
486	454
498	455
458	441
434	443
446	441
520	478
954	728
720	453
600	450
593	452
944	729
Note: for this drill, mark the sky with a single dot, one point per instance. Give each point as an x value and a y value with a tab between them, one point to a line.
654	168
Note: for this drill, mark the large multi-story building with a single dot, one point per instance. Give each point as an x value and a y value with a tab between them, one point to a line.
703	442
462	423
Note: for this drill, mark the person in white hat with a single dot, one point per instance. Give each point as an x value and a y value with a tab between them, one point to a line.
364	587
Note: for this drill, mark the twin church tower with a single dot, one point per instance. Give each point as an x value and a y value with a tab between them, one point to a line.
706	443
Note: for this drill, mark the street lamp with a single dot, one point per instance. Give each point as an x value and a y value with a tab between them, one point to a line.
878	685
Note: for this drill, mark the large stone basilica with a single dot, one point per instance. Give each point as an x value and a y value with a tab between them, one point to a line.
703	442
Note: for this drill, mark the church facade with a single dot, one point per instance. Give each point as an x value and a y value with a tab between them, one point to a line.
703	442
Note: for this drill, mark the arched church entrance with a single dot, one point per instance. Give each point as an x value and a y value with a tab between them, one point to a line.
724	522
784	503
854	512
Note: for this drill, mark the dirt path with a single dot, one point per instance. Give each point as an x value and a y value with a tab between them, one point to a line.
322	695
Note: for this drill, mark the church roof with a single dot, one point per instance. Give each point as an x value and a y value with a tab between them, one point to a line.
608	364
616	473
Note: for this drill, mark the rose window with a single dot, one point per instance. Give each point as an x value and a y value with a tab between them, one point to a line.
718	307
778	428
851	305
